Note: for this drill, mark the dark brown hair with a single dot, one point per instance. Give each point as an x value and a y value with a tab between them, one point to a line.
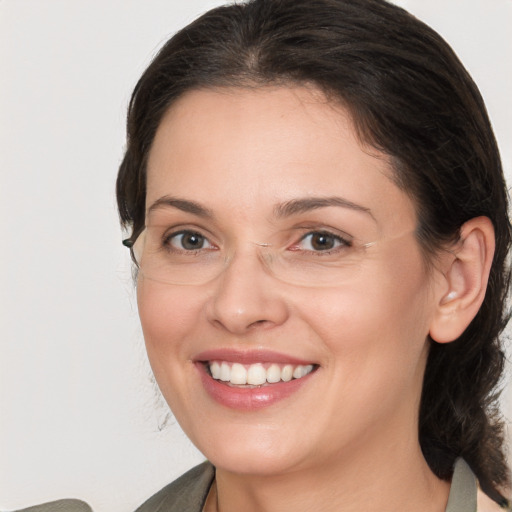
409	97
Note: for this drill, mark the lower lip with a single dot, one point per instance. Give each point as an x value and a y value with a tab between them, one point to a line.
248	399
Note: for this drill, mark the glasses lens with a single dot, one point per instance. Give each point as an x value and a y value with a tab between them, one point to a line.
316	270
188	258
176	258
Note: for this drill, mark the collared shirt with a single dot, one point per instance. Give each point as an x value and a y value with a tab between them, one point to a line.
188	493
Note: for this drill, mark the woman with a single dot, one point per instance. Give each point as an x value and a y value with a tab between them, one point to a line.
319	220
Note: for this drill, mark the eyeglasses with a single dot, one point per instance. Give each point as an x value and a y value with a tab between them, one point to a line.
315	258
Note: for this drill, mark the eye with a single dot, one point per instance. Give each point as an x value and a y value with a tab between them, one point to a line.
319	241
188	241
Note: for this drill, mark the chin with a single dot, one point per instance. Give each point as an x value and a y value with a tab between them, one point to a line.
249	451
249	462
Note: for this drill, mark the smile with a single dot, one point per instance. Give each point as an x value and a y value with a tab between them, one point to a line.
251	380
257	374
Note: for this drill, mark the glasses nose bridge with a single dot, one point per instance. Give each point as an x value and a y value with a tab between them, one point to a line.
243	295
247	250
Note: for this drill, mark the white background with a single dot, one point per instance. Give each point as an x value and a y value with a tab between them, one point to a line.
78	414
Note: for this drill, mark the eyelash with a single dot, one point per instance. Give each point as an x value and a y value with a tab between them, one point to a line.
341	242
168	238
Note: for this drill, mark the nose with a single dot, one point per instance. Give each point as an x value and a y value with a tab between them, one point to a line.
246	297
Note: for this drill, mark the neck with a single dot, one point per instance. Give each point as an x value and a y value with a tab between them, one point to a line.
394	477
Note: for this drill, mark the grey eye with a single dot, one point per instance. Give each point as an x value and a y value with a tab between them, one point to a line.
189	241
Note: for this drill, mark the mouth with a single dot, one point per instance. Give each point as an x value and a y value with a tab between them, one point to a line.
256	374
251	380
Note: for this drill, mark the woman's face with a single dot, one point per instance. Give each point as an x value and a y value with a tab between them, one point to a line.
241	173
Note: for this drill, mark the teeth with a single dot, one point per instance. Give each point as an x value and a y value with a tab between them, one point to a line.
297	373
215	370
256	374
287	373
225	372
273	374
238	374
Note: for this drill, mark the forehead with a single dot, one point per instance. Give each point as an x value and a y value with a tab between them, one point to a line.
245	150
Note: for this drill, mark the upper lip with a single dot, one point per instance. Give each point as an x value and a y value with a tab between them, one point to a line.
248	357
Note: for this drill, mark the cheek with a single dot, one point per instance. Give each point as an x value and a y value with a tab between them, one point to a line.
378	325
376	340
168	316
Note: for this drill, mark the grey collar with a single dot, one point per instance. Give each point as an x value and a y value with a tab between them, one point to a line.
188	493
463	491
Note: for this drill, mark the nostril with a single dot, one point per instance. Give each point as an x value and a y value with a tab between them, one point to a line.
257	323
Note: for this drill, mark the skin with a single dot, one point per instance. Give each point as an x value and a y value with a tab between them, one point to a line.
347	440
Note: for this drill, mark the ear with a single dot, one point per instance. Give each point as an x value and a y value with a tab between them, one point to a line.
461	288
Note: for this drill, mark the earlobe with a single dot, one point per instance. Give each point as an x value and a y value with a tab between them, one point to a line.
461	290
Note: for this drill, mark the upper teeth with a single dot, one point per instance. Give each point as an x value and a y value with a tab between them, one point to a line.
256	374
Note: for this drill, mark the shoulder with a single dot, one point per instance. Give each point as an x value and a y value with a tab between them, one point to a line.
186	494
69	505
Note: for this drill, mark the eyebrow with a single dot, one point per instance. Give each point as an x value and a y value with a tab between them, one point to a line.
181	204
306	204
287	209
